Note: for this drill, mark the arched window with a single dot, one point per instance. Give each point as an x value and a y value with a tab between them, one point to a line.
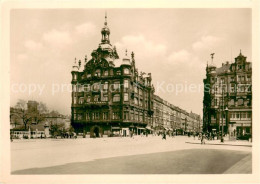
98	73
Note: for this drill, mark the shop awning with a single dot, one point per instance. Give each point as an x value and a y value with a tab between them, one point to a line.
141	128
148	128
116	128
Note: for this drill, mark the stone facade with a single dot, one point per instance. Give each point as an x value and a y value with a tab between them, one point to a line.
228	97
110	96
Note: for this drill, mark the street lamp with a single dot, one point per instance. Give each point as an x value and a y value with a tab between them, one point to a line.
226	110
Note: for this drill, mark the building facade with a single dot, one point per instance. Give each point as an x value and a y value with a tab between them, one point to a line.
228	97
110	96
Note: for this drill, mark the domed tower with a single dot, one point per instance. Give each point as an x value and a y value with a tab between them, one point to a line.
105	31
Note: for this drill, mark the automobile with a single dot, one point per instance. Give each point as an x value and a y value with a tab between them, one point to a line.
246	136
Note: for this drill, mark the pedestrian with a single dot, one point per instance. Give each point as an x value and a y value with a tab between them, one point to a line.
194	135
203	137
164	135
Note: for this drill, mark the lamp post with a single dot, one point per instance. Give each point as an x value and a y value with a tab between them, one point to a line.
222	113
226	111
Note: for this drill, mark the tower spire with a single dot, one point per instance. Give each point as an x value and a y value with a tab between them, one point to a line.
105	32
212	57
105	18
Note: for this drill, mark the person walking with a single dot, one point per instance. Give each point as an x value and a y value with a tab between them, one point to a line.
164	135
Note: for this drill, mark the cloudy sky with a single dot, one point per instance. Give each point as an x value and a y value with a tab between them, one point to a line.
173	44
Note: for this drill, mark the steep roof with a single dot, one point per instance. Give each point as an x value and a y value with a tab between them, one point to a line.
224	68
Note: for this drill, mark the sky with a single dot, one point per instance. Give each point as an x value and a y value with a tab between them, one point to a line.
172	44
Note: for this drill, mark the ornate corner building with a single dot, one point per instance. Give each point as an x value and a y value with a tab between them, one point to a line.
109	95
228	97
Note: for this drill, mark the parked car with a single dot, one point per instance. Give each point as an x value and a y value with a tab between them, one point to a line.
244	137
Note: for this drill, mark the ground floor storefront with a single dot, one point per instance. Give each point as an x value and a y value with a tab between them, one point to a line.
95	130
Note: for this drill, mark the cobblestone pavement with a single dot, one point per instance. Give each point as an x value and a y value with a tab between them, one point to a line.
26	154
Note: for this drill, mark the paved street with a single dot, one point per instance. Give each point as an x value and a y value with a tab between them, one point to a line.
140	155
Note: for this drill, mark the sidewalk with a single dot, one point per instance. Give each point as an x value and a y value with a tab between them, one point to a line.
218	142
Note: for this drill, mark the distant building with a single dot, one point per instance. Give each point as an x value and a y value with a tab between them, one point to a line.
169	117
228	97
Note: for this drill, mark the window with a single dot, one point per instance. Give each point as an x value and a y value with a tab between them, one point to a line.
126	71
237	116
136	116
75	76
89	75
126	97
98	73
105	73
118	72
105	115
136	89
248	78
105	98
126	115
242	78
249	115
88	99
75	100
96	115
96	86
87	116
126	84
232	79
115	115
86	88
116	85
105	87
74	88
81	100
243	115
231	102
111	72
240	102
116	98
96	98
141	102
238	78
79	116
136	101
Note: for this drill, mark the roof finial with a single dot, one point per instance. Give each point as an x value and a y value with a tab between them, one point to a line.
240	52
106	18
75	60
125	52
212	57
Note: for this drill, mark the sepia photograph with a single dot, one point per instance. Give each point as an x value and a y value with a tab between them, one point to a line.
142	92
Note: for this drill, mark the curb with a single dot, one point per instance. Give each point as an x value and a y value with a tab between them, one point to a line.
220	144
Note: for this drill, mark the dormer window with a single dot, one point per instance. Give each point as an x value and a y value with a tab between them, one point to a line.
118	72
106	73
98	73
126	71
75	76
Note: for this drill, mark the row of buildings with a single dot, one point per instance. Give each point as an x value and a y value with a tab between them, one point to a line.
110	96
227	103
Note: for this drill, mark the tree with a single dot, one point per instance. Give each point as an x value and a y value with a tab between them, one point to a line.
57	129
23	114
42	108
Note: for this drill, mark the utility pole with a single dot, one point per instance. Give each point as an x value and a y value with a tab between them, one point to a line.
222	113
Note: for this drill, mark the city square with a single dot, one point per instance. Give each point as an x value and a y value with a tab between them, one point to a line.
138	155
